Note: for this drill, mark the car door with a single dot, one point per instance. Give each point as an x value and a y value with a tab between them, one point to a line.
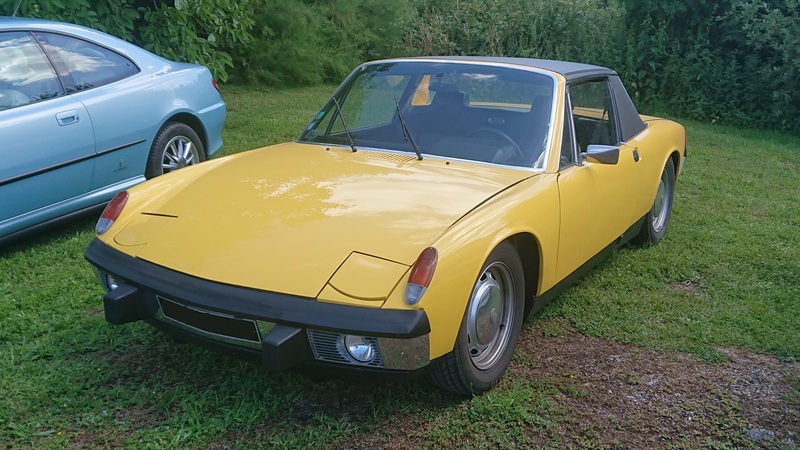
595	205
91	74
46	138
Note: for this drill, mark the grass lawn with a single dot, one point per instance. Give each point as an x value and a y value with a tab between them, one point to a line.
659	347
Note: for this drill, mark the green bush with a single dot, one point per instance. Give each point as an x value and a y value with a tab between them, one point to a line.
731	61
198	31
765	37
579	30
116	17
734	61
308	42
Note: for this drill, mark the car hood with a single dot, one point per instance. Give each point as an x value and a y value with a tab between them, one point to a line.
285	218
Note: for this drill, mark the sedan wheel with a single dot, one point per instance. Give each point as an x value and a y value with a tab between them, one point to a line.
175	146
489	329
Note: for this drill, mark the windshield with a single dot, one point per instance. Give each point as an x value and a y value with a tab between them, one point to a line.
474	112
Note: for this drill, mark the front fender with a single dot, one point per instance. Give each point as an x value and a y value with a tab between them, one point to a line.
531	207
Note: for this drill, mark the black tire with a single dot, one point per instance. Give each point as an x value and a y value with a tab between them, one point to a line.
175	146
478	362
657	219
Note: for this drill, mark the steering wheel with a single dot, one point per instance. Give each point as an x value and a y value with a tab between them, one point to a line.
501	135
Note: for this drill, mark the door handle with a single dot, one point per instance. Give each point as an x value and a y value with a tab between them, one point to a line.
68	117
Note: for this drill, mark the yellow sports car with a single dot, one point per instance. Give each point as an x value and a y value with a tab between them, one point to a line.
426	209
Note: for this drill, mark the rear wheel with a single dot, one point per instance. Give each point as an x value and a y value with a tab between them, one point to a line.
175	146
489	329
655	224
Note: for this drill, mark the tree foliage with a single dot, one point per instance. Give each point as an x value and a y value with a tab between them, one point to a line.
306	42
197	31
734	61
583	30
200	31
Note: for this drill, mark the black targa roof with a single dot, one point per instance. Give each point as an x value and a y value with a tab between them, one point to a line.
570	70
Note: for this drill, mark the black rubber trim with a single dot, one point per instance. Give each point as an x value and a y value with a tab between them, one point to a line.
303	363
536	304
60	165
255	304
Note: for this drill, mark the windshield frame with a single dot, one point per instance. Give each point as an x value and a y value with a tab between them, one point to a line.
343	90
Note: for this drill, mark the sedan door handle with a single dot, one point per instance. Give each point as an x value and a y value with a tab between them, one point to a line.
68	117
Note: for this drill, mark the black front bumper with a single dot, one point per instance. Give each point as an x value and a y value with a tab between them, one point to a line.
143	286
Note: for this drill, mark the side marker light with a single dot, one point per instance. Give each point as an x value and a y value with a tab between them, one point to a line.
111	213
421	275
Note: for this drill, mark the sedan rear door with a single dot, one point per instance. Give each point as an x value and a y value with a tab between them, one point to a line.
93	75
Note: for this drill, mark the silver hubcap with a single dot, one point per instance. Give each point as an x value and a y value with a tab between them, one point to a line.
179	153
490	316
660	207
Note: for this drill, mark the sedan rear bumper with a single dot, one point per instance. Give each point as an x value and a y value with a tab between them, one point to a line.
285	330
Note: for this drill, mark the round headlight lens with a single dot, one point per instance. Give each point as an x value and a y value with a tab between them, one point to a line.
359	348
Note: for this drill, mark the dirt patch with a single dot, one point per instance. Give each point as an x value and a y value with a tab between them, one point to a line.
577	392
636	398
687	287
611	395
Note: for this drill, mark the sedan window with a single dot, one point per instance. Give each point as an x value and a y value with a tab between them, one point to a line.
25	74
84	65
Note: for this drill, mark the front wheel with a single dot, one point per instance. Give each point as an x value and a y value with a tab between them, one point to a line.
175	146
655	223
489	329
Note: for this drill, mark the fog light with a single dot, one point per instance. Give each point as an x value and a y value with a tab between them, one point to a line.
110	282
357	347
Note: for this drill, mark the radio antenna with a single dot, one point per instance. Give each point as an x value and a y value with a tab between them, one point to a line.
16	9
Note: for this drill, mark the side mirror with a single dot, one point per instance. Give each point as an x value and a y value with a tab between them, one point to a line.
603	154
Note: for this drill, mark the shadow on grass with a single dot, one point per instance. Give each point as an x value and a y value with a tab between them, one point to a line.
147	382
53	234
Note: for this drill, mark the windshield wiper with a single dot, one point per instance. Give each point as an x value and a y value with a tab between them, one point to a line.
344	125
406	133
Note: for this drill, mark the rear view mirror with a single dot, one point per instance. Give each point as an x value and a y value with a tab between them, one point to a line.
603	154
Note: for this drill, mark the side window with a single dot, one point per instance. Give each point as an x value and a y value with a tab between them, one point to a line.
84	65
592	113
25	74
